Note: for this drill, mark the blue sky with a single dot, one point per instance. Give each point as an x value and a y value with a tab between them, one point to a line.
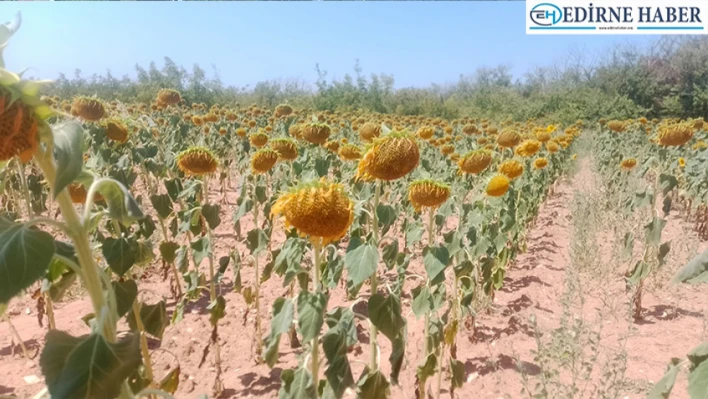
418	42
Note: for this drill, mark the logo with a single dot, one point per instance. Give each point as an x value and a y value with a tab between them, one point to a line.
546	14
628	17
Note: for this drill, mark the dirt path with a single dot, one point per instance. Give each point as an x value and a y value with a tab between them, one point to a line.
548	282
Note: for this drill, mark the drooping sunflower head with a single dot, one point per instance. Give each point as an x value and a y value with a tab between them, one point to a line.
617	126
447	149
543	135
508	138
675	135
168	97
295	131
197	161
263	160
628	163
498	186
350	152
540	163
315	132
681	162
116	131
470	129
241	132
426	132
552	147
320	210
511	169
90	109
332	145
528	148
369	131
475	162
389	157
428	194
258	139
282	110
286	148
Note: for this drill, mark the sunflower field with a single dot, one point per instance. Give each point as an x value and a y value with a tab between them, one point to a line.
362	223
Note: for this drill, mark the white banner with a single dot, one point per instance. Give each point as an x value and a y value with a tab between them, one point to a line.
616	17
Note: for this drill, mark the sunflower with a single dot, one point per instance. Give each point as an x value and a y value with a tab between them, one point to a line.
629	163
263	160
283	110
369	131
350	152
681	162
90	109
552	147
475	162
197	161
617	126
294	131
543	135
427	194
258	139
320	210
315	132
511	169
540	163
447	149
508	139
425	132
390	157
332	145
168	97
470	129
286	149
675	135
528	148
116	131
498	186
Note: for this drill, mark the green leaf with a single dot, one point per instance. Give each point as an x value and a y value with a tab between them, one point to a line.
427	369
386	215
217	310
628	245
335	343
422	301
296	384
211	214
390	254
181	259
256	240
120	253
170	382
174	188
653	231
154	318
694	272
398	353
321	166
25	255
280	324
162	204
457	372
87	366
310	314
385	314
435	260
698	381
168	251
59	288
667	182
121	204
663	251
68	151
373	385
261	194
663	388
201	247
360	260
126	292
698	355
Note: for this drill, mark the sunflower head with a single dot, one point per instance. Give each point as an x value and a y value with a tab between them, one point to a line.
320	210
263	160
528	148
197	161
508	138
511	169
447	149
617	126
543	135
258	139
681	162
350	152
552	147
241	132
332	145
428	194
286	148
282	110
425	132
475	162
315	132
369	131
540	163
498	186
470	129
390	157
168	97
116	131
628	163
675	135
294	131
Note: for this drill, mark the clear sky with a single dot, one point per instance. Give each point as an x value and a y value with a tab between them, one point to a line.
418	42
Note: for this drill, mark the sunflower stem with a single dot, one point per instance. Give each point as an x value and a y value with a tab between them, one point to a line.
25	188
257	282
315	358
373	331
147	362
16	335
